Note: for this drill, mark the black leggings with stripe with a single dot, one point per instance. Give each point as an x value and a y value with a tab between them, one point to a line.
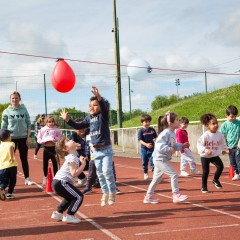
73	197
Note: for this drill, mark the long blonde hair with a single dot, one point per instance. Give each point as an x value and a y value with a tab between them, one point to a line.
61	148
51	118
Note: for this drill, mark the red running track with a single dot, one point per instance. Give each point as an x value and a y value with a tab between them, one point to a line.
205	216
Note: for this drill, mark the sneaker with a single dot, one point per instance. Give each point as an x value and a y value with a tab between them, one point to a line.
177	198
217	184
10	196
104	200
184	174
28	181
118	191
57	216
44	181
111	199
81	182
35	157
70	219
96	185
195	171
2	194
145	176
150	199
204	190
86	191
236	177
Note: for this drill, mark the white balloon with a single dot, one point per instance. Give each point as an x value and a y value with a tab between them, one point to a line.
138	69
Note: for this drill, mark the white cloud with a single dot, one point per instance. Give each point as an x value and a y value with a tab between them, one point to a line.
228	29
178	34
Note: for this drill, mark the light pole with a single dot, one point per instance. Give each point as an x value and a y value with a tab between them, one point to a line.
177	82
117	62
129	92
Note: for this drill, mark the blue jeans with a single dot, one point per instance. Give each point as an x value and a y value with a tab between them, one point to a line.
8	177
234	158
103	159
146	155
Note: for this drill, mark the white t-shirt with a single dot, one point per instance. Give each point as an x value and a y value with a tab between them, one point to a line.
64	172
212	141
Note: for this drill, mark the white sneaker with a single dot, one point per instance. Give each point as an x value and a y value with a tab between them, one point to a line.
195	171
177	198
111	199
184	174
10	196
236	177
70	219
145	176
56	215
150	199
104	200
81	182
28	181
35	157
44	181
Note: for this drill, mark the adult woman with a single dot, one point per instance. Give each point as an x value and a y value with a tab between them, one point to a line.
38	125
16	118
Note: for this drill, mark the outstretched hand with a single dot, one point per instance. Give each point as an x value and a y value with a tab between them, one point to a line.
64	115
96	93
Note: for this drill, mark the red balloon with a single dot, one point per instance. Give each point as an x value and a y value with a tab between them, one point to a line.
63	78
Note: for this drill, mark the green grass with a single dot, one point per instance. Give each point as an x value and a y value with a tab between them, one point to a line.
214	102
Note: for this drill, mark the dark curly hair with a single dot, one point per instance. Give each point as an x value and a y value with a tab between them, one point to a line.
206	118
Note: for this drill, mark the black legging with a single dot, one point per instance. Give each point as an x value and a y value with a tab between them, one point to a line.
38	146
73	197
216	161
49	153
21	145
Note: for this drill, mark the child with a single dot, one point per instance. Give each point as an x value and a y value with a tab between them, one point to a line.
231	131
48	136
165	147
38	125
146	136
63	181
80	136
210	145
186	154
8	165
102	152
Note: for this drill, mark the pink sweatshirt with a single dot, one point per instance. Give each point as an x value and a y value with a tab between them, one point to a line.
47	134
182	137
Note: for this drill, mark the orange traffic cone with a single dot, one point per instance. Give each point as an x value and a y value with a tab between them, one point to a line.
231	172
49	181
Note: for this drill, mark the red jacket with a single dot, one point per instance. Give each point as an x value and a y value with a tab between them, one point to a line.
182	137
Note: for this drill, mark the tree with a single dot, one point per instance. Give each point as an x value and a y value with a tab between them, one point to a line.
173	99
2	107
72	112
159	102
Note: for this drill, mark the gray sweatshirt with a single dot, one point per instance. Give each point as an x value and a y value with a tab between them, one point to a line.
165	141
16	120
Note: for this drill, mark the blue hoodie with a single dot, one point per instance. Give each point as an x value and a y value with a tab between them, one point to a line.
99	125
16	120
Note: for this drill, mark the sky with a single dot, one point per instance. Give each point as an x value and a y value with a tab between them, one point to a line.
190	36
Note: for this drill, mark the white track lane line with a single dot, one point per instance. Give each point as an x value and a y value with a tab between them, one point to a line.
86	218
193	204
187	229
